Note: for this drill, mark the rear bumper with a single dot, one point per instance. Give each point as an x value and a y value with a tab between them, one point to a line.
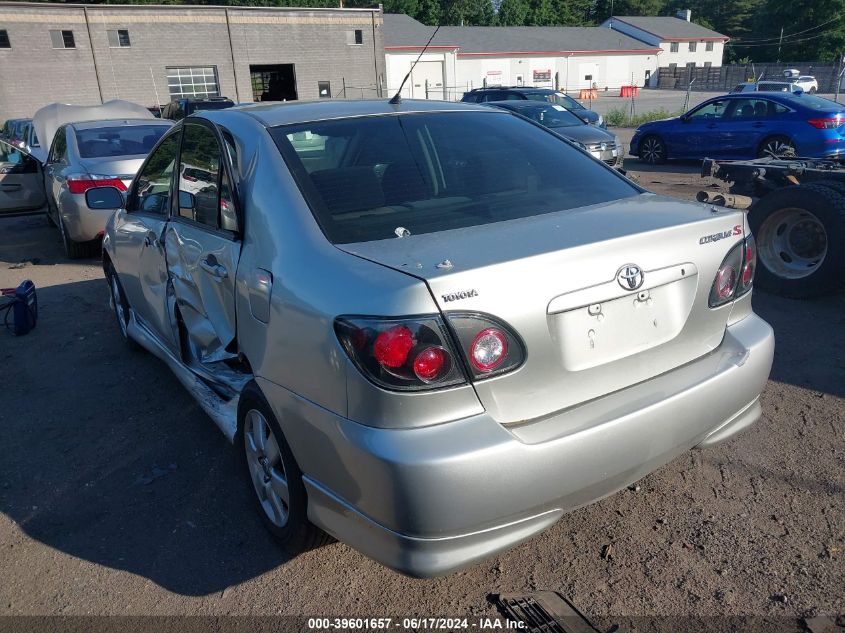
81	223
431	500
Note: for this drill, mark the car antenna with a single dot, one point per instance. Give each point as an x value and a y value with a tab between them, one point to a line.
397	98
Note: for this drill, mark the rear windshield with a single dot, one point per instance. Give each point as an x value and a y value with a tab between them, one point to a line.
126	140
813	102
773	86
367	178
552	115
555	97
210	105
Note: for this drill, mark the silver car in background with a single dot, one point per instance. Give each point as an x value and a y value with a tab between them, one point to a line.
596	141
430	329
89	149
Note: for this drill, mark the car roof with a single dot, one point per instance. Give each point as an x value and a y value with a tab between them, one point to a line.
292	112
93	125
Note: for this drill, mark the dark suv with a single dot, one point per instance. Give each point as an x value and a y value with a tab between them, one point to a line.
515	93
180	108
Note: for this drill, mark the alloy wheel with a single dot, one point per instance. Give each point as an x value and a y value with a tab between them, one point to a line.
266	468
777	147
117	303
792	243
652	150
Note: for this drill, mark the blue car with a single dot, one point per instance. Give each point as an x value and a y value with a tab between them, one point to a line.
747	126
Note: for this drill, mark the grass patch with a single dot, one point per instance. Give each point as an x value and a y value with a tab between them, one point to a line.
621	117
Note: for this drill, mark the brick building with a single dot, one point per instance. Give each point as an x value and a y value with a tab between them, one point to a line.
86	54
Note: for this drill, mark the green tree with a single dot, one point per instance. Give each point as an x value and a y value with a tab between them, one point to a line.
541	13
572	12
408	7
429	12
513	12
469	12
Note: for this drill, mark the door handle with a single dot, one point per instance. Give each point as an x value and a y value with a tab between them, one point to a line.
150	239
10	187
711	125
213	268
758	124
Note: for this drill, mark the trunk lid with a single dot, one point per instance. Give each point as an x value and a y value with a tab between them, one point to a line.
122	167
553	280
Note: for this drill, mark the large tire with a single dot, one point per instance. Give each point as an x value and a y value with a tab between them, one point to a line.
273	474
77	250
652	150
775	146
799	231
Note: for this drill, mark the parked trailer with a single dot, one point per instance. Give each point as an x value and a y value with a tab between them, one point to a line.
796	210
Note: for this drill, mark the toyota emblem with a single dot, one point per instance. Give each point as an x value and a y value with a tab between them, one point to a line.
630	277
603	146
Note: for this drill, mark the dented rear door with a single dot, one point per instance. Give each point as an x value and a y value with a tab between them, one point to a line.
203	247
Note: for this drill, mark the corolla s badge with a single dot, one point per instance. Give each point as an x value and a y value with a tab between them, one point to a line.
630	277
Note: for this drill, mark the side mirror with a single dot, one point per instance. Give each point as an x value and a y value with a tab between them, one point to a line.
187	200
104	198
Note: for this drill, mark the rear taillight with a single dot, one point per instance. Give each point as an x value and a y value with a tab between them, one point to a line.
826	124
736	274
749	265
402	354
489	346
84	182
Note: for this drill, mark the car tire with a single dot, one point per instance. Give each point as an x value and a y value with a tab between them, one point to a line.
272	474
120	305
74	249
812	91
652	150
798	230
775	145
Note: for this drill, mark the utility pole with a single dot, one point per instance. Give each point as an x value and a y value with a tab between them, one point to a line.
780	41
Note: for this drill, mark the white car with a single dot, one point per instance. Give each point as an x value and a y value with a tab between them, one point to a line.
769	86
808	83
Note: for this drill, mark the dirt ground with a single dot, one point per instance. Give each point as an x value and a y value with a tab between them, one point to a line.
120	497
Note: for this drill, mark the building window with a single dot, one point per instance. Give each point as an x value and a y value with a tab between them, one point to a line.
708	64
4	39
193	81
673	47
708	47
672	67
693	46
119	38
355	37
324	89
62	39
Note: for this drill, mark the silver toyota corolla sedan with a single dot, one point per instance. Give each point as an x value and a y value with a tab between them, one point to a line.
93	154
431	329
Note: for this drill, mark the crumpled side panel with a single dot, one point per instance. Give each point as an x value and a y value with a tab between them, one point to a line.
206	303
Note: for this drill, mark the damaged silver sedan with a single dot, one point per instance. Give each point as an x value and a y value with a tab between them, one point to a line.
431	329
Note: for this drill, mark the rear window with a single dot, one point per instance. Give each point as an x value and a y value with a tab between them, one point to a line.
776	87
127	140
367	178
552	115
210	105
555	97
813	102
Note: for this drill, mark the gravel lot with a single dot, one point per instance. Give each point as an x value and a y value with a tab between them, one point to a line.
119	496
